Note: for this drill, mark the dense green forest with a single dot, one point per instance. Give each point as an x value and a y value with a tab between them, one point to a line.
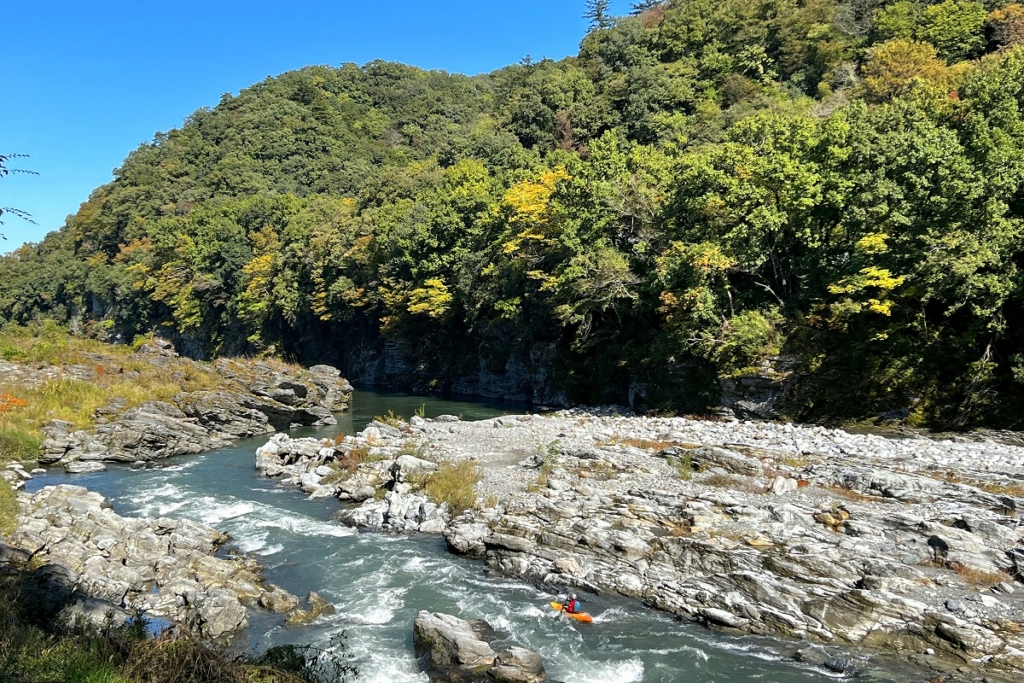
708	186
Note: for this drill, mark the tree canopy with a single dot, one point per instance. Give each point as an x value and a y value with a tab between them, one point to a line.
708	187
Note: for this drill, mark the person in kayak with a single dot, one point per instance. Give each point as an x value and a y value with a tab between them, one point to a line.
573	606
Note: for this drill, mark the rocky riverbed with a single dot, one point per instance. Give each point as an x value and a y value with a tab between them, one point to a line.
909	545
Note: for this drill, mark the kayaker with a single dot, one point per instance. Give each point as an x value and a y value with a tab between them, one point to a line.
573	606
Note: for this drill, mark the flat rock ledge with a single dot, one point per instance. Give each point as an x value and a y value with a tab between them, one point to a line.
79	548
251	397
452	650
912	546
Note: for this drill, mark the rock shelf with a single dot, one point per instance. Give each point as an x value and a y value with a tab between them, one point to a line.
164	567
253	397
911	545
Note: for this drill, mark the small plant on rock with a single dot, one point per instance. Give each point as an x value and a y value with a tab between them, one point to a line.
391	419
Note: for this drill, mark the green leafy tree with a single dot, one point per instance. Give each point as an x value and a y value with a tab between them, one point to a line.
956	28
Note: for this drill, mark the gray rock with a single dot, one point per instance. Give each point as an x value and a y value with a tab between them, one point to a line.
317	608
79	467
166	567
518	665
94	612
451	643
407	466
731	461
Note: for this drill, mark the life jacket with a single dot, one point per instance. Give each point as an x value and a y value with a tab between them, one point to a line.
572	606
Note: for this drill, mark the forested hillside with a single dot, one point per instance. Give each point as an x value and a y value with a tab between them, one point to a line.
707	186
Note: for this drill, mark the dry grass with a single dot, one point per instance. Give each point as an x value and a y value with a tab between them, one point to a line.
850	494
454	483
346	464
600	470
683	466
1010	489
976	577
795	461
391	419
642	444
733	482
102	374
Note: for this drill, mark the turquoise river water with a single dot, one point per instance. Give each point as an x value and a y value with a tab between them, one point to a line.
379	583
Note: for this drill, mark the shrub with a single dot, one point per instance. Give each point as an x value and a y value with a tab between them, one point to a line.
454	483
749	339
392	420
9	403
39	650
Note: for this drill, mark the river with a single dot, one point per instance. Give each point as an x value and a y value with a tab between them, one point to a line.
379	583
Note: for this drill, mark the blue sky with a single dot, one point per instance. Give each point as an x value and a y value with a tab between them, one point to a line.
82	83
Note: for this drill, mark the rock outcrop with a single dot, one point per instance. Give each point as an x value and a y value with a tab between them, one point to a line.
164	567
383	479
452	650
251	397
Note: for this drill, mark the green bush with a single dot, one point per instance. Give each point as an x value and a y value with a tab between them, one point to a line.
748	340
12	353
17	444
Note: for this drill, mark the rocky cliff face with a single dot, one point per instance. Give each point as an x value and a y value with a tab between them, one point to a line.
519	378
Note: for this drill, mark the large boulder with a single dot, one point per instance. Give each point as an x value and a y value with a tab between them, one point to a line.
453	650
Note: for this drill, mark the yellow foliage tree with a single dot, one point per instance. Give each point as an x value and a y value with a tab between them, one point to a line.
432	299
899	66
527	205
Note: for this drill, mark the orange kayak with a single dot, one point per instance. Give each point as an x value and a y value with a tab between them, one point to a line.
579	616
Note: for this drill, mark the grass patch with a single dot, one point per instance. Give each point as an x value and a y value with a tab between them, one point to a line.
850	494
413	448
104	373
48	342
8	508
18	443
454	483
976	577
1013	488
644	444
733	482
683	466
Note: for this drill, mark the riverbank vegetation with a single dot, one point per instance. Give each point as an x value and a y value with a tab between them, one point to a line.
707	187
64	377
